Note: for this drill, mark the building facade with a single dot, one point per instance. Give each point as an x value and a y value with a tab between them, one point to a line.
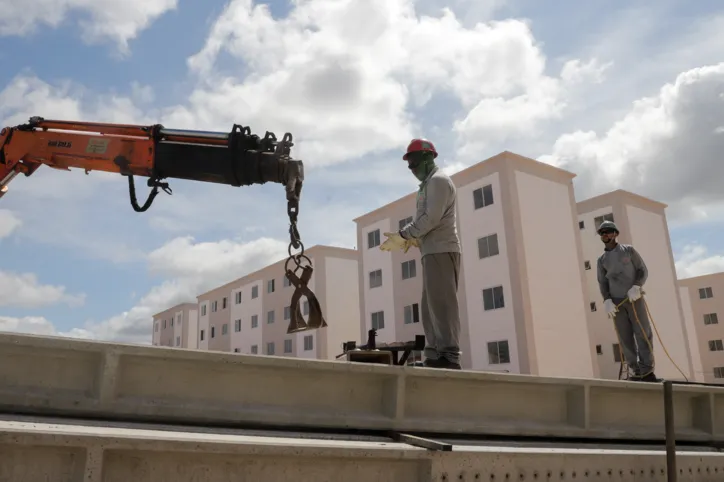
251	315
642	223
177	326
703	300
521	291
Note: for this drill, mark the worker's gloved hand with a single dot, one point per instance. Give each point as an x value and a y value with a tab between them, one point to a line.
394	241
634	293
410	243
610	308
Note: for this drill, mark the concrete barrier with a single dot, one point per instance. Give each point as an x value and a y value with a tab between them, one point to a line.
73	452
61	376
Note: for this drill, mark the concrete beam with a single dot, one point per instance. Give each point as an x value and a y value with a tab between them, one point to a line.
61	376
68	452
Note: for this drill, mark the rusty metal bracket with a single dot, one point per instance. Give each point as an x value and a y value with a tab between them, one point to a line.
316	318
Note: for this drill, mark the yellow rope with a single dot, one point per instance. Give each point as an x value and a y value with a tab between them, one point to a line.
651	348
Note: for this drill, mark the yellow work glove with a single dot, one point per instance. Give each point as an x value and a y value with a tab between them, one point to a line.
394	241
411	242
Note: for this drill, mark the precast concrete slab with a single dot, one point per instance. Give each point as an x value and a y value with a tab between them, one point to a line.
62	376
70	452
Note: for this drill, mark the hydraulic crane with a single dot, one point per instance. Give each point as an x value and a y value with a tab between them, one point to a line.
237	158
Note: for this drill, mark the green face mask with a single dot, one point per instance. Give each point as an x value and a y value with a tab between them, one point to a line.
421	164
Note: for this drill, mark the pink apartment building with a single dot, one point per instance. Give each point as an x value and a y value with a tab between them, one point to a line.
703	300
642	223
176	326
522	290
251	314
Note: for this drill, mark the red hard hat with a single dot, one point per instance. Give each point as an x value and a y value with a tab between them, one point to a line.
417	145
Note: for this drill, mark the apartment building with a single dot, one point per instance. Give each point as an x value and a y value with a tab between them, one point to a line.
703	299
522	291
642	223
176	326
251	314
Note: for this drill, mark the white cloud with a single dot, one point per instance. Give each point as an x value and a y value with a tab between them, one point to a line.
9	222
667	147
343	87
695	260
191	268
99	20
38	325
24	291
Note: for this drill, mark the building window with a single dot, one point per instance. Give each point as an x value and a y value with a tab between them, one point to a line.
498	352
616	353
155	327
412	314
213	332
254	321
236	350
705	293
599	350
716	345
373	238
308	342
378	320
270	348
287	312
270	286
203	309
376	278
254	349
178	341
405	222
201	335
223	303
718	372
711	319
178	319
493	298
483	196
581	225
270	316
287	346
587	264
164	324
285	281
237	297
305	308
488	246
214	306
172	321
254	292
600	219
225	329
409	269
237	325
593	306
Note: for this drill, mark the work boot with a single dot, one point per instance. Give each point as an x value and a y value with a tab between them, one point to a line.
650	378
441	363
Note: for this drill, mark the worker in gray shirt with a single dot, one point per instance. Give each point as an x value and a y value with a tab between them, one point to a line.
434	231
621	274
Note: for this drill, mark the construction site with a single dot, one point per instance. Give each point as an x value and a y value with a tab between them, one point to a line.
78	410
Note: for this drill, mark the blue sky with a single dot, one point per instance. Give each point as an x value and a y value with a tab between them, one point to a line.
582	85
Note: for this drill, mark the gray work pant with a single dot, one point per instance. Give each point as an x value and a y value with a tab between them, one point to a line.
439	306
634	345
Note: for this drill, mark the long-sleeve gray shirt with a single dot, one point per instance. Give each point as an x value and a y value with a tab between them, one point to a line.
618	270
435	223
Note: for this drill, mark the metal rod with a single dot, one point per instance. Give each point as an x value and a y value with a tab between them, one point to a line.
671	475
195	134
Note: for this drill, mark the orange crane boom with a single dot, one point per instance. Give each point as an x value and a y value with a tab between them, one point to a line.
237	158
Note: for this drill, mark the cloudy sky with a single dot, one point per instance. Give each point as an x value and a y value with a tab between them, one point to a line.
626	94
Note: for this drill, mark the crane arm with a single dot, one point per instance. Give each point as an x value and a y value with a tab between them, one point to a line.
237	158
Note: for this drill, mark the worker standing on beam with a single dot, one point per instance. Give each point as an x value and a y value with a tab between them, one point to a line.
621	274
434	232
